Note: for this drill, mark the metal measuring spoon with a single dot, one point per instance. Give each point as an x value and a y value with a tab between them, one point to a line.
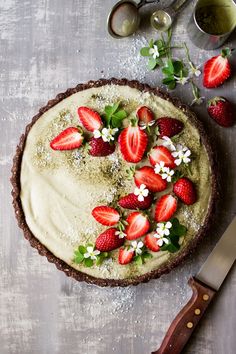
162	19
124	18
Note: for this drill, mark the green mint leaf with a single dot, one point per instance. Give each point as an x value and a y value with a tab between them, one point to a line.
122	114
170	65
160	44
172	85
168	79
138	260
88	262
159	62
82	249
151	43
177	228
145	52
167	71
78	257
170	247
147	255
152	63
178	67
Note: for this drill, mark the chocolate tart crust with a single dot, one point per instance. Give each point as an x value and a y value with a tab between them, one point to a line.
61	265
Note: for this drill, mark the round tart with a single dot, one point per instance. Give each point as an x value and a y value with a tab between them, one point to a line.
114	182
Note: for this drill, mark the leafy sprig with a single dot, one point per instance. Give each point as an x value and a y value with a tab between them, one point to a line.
114	115
88	262
141	258
177	230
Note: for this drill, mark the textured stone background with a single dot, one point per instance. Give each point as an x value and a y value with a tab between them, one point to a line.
46	47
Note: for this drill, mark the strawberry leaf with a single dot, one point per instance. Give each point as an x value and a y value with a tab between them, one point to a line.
145	52
152	63
79	257
114	116
82	249
88	262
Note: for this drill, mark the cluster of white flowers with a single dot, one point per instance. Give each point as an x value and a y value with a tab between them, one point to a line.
162	230
141	192
91	253
164	172
181	154
137	247
107	134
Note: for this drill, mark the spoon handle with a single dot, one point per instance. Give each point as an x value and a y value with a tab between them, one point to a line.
176	6
146	2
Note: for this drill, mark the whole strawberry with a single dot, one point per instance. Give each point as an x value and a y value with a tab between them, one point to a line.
109	240
98	147
131	201
222	111
185	190
169	126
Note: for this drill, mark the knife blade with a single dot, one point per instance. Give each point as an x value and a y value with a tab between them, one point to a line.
204	287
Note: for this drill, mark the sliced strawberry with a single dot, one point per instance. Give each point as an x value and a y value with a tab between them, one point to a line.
138	225
161	153
131	201
90	119
69	139
133	142
151	242
217	69
108	240
165	208
146	175
169	126
98	147
185	191
145	115
106	215
125	256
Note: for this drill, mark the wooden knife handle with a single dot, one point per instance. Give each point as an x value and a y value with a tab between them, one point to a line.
187	319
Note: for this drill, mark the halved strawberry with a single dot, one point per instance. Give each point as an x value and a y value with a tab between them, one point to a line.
133	142
185	191
106	215
108	240
151	242
217	69
165	208
138	225
161	153
69	139
130	201
169	126
90	119
98	147
145	115
125	256
146	175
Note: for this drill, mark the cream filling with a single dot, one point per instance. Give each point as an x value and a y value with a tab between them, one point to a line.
60	188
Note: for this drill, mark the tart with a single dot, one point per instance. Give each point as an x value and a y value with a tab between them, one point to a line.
114	182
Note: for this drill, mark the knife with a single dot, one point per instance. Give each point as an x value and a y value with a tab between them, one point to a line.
205	285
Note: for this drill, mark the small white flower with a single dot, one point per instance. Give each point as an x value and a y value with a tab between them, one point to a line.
194	70
161	240
141	192
159	167
154	52
137	247
107	134
181	154
121	234
163	229
91	253
145	125
197	100
181	80
168	143
97	134
167	174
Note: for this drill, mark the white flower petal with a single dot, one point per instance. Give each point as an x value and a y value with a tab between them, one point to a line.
145	192
96	252
86	255
165	240
178	162
90	249
168	179
166	232
160	242
136	191
168	225
140	198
